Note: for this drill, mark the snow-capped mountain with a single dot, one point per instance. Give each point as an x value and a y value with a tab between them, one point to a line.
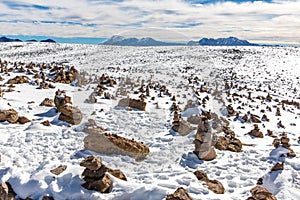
230	41
147	41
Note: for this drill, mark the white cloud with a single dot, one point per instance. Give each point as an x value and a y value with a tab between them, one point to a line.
277	21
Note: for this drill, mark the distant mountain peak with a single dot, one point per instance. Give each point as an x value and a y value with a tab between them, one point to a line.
229	41
48	40
5	39
132	41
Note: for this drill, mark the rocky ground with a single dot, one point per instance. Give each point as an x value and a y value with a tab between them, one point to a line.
169	122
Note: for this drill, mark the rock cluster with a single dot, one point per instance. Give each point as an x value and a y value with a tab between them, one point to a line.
12	117
261	193
228	142
204	141
114	144
91	127
213	185
180	125
284	141
68	113
179	194
62	75
133	103
256	132
47	102
18	80
95	175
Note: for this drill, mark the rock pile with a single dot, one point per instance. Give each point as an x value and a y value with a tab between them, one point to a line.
68	113
180	125
18	80
228	142
179	194
113	144
47	102
256	132
95	175
213	185
261	193
204	141
133	103
284	141
12	117
62	75
91	127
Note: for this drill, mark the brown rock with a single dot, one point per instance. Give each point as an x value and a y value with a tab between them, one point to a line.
215	186
201	175
179	194
133	103
92	162
23	120
47	102
261	193
6	192
12	116
256	132
113	144
278	166
46	123
70	115
58	170
183	127
117	173
103	185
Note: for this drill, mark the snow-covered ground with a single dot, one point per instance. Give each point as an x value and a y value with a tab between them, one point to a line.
31	150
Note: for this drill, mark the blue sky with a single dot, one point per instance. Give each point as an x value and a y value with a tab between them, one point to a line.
270	21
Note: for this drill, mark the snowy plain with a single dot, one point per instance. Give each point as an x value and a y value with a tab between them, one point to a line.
31	150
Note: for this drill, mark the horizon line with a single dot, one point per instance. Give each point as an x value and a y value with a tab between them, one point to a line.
100	40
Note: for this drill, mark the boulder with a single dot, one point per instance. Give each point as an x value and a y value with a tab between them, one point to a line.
47	102
9	115
256	132
278	166
213	185
179	194
18	80
23	120
133	103
103	185
91	163
70	115
95	176
182	127
58	170
91	127
113	144
261	193
6	192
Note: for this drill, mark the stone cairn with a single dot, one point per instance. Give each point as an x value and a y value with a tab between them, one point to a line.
179	194
256	132
213	185
12	117
68	113
261	193
284	141
96	177
228	142
204	141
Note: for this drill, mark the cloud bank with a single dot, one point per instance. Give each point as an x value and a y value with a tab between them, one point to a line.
262	21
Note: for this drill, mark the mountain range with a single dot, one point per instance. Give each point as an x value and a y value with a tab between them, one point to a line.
123	41
147	41
5	39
